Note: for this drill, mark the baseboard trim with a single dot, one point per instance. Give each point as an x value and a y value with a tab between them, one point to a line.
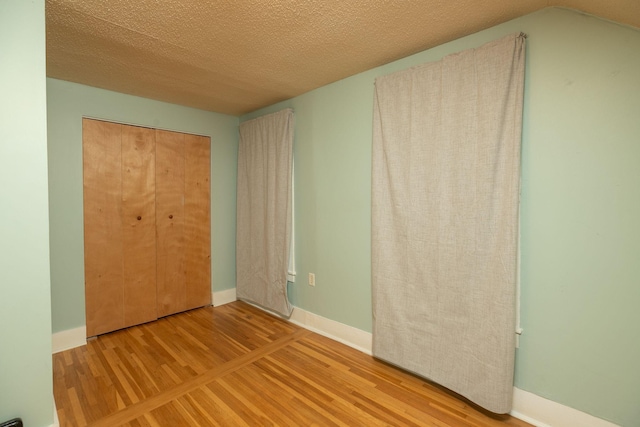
543	412
71	338
56	421
223	297
348	335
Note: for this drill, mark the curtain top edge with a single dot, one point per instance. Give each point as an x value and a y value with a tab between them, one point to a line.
512	36
285	112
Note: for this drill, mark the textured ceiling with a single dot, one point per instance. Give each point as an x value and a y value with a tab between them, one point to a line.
234	56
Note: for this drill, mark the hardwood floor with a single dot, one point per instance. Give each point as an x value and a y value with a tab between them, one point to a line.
236	365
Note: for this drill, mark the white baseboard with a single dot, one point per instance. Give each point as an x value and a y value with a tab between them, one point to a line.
56	421
223	297
71	338
543	412
348	335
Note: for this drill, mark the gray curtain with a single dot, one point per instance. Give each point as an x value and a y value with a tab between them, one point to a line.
265	155
445	191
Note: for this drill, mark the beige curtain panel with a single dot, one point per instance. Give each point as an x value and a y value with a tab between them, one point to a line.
265	156
445	191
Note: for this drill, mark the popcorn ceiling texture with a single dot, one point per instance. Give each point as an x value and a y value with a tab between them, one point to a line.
235	56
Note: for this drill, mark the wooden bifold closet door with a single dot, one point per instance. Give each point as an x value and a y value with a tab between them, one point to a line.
146	222
182	203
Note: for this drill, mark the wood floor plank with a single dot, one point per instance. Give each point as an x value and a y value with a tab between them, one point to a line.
76	407
196	411
303	394
219	407
330	382
236	365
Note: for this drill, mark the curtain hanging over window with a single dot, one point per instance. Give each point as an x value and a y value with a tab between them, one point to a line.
445	195
265	156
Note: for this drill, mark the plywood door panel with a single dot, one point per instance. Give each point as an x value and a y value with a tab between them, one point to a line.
139	224
170	175
197	221
147	224
104	288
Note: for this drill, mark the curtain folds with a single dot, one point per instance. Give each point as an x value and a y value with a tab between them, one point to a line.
265	156
445	196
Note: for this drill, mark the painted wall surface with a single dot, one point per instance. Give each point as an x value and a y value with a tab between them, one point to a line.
25	301
580	205
67	103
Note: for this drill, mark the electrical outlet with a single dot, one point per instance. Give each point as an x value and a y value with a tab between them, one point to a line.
312	279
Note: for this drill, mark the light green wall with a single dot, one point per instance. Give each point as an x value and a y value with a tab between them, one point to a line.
580	206
332	199
25	301
580	210
67	103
